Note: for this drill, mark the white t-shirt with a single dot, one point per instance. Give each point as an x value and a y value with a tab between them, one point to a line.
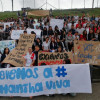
29	59
46	45
80	31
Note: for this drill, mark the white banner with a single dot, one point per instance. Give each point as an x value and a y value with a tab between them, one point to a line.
44	80
58	22
16	34
7	44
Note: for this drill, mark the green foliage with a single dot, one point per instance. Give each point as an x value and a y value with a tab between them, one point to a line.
95	11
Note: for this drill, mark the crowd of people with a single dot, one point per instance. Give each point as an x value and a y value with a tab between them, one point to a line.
85	28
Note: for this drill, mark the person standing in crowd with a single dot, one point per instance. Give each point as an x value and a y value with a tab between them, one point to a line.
80	29
4	55
60	44
53	45
50	31
91	36
56	32
73	29
76	36
97	35
6	32
29	58
69	40
37	49
39	43
46	45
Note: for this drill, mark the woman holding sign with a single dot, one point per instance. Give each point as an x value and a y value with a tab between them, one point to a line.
29	58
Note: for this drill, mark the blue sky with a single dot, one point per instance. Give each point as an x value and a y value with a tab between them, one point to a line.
64	4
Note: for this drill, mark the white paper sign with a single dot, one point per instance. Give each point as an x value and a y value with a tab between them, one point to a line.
44	80
37	31
7	44
16	34
58	22
8	23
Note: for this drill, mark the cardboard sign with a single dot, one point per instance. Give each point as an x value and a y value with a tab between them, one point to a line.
16	34
16	56
55	79
58	22
49	58
39	13
87	52
7	44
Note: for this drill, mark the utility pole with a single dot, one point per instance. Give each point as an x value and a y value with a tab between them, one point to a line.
12	5
46	4
71	4
97	3
58	4
23	3
34	4
93	4
84	4
1	5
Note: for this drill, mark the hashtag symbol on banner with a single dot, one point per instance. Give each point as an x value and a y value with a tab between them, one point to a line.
61	72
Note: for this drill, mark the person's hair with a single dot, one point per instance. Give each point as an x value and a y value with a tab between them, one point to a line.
67	61
25	31
5	50
37	46
29	48
42	64
32	32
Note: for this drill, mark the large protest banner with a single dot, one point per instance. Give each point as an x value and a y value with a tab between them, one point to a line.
87	52
53	79
49	58
58	22
7	44
16	56
16	34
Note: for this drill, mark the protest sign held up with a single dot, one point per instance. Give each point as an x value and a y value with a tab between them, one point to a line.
49	58
9	43
16	56
87	52
54	79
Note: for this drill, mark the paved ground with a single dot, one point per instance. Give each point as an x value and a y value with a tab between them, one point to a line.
94	96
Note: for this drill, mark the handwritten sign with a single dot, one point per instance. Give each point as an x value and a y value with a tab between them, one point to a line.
7	44
55	79
87	52
16	56
49	58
